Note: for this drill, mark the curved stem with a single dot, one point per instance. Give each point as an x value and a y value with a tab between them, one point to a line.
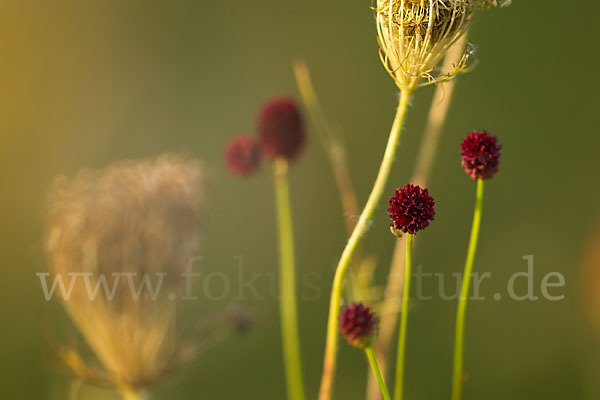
377	372
401	356
457	375
357	234
287	285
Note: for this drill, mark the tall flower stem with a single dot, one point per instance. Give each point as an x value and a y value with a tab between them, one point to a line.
426	156
457	376
401	356
287	285
377	372
357	234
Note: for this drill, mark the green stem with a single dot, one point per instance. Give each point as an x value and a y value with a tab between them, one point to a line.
385	393
457	376
400	359
287	286
357	234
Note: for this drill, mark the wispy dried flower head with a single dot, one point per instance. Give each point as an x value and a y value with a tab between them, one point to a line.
414	35
137	218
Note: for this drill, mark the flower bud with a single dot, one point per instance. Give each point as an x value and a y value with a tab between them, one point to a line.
480	155
243	156
281	129
411	209
358	325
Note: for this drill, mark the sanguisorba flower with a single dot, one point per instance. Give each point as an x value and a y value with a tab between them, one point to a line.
480	155
411	209
127	225
414	35
243	156
358	325
281	129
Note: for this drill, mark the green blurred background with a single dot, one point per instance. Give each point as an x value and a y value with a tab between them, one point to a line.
84	83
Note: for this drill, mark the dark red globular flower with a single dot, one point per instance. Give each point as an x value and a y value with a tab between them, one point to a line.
243	156
281	129
411	209
358	325
480	155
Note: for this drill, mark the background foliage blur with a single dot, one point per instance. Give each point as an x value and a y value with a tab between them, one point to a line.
84	83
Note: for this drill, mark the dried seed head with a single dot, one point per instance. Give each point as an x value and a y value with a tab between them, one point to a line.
414	35
141	219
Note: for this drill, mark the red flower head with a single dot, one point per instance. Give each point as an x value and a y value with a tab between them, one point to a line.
281	129
358	325
480	155
243	156
411	209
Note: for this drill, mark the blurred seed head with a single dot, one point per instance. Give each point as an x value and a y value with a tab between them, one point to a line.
132	217
414	35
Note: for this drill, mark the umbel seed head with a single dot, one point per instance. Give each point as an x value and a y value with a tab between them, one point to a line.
358	325
480	155
414	35
411	209
141	220
281	129
243	156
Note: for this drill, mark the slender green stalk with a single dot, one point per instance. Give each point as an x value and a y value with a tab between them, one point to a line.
401	356
457	376
357	234
377	372
438	111
287	286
